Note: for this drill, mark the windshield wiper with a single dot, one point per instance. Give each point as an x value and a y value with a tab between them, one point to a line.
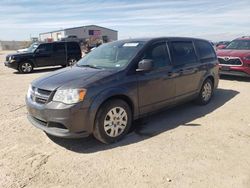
90	66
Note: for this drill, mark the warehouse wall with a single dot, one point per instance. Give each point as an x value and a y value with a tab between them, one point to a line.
83	32
80	32
44	36
58	35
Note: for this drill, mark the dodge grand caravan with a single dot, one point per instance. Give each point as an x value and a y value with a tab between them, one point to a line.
119	82
45	54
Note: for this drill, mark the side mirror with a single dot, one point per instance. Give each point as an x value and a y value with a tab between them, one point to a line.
145	65
222	46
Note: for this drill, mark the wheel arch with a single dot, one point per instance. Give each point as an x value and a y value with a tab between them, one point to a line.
110	95
208	76
211	78
27	60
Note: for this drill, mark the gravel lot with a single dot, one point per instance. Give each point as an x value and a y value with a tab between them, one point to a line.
188	146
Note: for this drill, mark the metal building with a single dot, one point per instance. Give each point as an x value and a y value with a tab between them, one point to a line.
89	32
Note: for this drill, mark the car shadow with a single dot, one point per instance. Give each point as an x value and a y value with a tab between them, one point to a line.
41	70
235	78
153	125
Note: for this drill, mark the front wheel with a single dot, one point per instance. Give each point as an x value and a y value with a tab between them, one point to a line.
206	93
113	121
25	67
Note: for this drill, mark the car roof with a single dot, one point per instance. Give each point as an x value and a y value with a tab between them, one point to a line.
243	38
160	38
58	42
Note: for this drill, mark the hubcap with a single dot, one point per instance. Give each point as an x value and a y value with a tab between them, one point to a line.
207	91
26	67
115	122
72	62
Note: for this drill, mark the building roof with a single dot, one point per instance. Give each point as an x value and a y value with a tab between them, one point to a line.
77	28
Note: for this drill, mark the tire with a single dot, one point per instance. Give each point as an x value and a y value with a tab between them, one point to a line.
25	67
206	92
113	121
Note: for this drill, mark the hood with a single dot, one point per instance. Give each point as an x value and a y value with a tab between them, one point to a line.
20	54
233	53
70	77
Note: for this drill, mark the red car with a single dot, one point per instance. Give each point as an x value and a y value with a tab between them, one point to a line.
234	59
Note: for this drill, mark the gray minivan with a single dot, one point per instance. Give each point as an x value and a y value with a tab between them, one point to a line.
119	82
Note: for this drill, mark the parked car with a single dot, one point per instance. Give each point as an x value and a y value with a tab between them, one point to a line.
30	48
45	54
119	82
235	58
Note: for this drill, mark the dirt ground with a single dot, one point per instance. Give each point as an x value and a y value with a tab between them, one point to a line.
187	146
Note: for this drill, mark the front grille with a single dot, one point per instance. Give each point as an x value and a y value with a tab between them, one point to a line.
234	61
40	96
7	58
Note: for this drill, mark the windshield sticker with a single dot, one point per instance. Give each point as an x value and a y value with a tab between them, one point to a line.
131	44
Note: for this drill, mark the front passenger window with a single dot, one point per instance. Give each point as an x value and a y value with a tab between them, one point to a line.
158	53
45	48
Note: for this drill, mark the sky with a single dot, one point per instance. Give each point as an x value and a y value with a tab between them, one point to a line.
210	19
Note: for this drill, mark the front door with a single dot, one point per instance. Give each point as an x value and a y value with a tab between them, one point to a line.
156	88
43	55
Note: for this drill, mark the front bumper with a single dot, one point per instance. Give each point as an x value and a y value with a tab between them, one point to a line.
13	65
235	71
60	120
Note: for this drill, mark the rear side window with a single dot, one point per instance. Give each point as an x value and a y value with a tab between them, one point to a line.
158	53
183	52
205	50
59	47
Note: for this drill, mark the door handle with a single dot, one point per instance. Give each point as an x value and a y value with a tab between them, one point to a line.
188	71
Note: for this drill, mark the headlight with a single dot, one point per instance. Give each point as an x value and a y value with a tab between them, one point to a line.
30	91
247	58
69	96
11	59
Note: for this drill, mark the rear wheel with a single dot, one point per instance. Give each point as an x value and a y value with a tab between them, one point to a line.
206	92
25	67
113	121
71	62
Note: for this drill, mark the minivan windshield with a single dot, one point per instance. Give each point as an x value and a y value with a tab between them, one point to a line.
113	55
239	45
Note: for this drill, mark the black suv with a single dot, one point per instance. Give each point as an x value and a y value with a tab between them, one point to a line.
119	82
46	54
